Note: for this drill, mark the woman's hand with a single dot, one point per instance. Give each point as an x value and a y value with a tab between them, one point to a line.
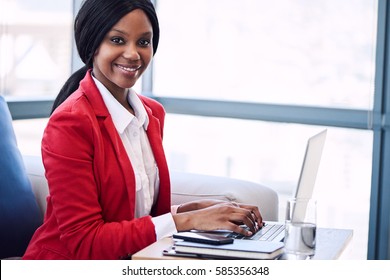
215	215
255	213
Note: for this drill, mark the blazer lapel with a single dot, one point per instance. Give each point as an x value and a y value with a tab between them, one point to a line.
163	202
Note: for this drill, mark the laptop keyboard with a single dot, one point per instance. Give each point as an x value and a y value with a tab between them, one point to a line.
267	233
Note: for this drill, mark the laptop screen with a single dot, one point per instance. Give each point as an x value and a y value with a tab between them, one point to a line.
310	165
308	174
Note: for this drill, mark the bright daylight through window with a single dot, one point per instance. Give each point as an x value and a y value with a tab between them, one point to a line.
285	52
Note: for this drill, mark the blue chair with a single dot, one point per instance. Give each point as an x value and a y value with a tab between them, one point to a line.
19	212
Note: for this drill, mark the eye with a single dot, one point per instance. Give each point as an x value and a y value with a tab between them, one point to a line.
144	42
117	40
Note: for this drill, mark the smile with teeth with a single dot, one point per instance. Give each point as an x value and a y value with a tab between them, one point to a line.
129	69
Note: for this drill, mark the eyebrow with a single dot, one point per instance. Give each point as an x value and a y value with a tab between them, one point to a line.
148	33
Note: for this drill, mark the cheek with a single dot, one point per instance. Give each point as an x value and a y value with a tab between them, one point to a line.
97	58
102	56
147	57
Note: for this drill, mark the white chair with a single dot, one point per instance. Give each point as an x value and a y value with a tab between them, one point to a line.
185	187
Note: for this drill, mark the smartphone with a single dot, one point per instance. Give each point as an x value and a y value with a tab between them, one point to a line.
201	237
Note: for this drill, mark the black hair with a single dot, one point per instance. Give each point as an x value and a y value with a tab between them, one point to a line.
93	21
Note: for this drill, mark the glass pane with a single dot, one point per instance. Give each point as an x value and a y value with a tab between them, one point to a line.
35	46
272	154
304	52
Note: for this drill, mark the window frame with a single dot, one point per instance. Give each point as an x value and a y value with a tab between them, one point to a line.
378	122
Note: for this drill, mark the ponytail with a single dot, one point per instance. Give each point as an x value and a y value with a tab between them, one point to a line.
69	87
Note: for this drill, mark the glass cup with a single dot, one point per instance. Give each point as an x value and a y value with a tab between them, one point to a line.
301	226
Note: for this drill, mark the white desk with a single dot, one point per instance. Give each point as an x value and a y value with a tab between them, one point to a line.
330	244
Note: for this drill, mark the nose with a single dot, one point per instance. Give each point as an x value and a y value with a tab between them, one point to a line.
131	52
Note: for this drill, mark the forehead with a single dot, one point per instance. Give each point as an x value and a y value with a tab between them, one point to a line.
135	22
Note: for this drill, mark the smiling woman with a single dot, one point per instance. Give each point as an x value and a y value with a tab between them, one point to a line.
115	196
116	184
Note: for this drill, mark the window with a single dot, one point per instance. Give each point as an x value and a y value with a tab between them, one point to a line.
317	53
281	53
35	47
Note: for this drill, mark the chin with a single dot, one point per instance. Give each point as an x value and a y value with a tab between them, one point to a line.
126	84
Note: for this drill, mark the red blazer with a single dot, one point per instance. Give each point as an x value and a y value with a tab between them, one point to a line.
90	208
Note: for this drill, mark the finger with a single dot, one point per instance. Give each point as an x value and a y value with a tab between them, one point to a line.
258	218
254	218
235	204
239	229
256	213
244	217
251	223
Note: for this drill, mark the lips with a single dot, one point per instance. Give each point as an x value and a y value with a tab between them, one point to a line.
130	68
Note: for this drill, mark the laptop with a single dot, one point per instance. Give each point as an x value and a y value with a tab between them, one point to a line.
274	231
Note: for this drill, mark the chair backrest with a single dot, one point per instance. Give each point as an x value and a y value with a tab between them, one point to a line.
189	187
19	212
36	174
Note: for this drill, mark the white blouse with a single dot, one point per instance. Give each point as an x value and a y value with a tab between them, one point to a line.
132	131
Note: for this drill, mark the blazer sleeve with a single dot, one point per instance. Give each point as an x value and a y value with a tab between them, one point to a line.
70	144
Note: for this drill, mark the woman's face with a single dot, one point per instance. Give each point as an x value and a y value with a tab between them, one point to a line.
124	53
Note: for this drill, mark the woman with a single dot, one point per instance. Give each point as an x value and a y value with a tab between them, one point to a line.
102	149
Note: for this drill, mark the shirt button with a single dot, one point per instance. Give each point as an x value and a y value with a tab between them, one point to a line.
135	134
